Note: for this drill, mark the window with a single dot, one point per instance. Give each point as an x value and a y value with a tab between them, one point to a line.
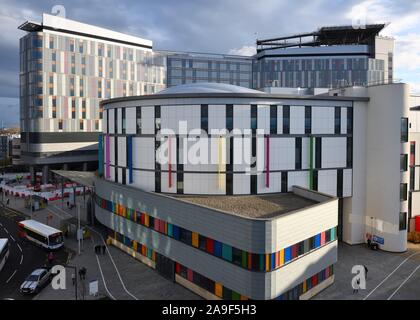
318	152
404	130
204	117
60	124
404	162
273	119
237	256
308	119
403	221
403	192
229	117
337	120
286	119
349	156
138	120
253	118
123	120
298	153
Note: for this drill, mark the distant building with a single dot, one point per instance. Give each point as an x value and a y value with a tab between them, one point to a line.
66	68
4	147
16	151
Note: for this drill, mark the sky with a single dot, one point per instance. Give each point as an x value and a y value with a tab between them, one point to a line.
215	26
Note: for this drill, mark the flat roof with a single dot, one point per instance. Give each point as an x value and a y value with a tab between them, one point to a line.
251	206
36	225
85	178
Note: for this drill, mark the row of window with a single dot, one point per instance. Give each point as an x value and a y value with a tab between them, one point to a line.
241	258
215	287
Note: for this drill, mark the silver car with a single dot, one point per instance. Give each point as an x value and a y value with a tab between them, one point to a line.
38	279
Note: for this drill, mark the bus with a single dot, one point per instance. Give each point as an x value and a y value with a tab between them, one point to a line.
4	252
41	234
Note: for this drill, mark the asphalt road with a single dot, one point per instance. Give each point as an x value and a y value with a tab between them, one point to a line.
23	259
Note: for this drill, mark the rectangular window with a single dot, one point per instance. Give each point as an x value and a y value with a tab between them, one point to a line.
138	120
318	152
205	117
337	120
298	153
123	120
273	119
308	119
286	119
404	130
340	183
284	182
404	162
253	184
403	192
349	156
254	122
157	119
403	221
229	117
349	120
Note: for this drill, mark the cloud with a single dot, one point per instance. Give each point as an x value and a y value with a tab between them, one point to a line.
244	51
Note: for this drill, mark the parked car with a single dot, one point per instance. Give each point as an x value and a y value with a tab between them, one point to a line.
37	280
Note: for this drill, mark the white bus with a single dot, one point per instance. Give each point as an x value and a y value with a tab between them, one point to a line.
41	234
4	252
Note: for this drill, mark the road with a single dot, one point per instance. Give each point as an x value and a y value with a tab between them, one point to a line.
23	259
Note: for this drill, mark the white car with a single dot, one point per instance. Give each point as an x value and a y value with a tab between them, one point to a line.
37	280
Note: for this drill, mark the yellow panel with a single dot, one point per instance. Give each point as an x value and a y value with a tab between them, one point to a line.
218	290
146	220
195	239
304	287
267	262
134	245
282	257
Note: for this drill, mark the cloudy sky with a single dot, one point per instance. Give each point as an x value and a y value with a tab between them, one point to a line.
220	26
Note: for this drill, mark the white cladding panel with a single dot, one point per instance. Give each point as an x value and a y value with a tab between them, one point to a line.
282	153
343	120
119	120
203	183
279	119
274	185
241	116
122	154
217	117
148	120
322	120
347	182
112	151
334	154
143	153
241	183
172	115
297	119
130	122
327	182
263	118
111	121
297	178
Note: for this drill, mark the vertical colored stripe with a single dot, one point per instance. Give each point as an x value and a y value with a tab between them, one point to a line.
267	262
218	290
107	158
322	238
311	163
195	239
170	161
282	257
130	158
267	161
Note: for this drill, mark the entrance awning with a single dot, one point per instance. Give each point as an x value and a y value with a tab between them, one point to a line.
84	178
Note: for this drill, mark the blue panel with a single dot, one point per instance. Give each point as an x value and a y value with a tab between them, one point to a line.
287	254
175	230
130	158
317	240
273	261
217	249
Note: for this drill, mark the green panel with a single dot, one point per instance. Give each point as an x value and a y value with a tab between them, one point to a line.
236	296
244	259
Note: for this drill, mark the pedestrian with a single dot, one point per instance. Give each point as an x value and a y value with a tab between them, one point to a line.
50	258
7	201
84	271
103	249
73	278
356	288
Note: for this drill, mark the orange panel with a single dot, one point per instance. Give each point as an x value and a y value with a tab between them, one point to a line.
218	290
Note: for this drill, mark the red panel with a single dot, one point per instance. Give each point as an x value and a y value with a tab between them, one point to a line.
294	251
142	218
210	245
177	268
189	275
322	238
418	223
314	280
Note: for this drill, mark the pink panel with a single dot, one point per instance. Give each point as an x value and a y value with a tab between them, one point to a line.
322	238
267	161
189	275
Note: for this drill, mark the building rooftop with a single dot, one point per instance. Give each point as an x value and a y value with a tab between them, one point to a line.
207	87
325	36
251	206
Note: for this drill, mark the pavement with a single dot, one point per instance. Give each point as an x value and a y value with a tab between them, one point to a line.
119	276
391	276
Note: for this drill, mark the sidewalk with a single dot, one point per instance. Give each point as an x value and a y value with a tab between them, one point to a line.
119	275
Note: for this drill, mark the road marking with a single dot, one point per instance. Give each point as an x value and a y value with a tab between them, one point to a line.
102	275
21	259
112	260
20	248
403	283
13	238
11	276
387	277
66	213
6	230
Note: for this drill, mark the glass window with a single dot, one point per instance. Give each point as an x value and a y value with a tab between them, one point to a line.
403	192
404	129
403	221
404	162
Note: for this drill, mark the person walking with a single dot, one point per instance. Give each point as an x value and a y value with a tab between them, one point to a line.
103	249
356	287
366	271
73	278
50	258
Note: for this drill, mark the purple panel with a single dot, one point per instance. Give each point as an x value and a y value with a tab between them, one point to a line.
107	157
